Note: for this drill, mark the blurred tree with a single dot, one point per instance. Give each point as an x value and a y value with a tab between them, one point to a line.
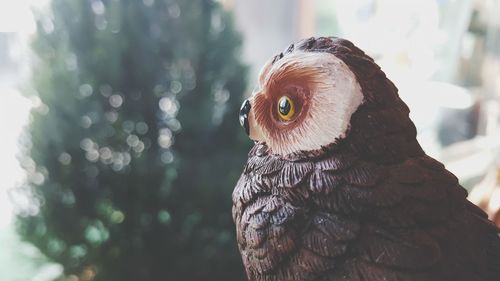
134	146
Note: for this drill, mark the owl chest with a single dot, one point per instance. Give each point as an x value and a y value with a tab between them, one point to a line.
267	233
264	217
285	241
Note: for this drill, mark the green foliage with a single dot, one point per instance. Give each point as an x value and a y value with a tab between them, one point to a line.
135	147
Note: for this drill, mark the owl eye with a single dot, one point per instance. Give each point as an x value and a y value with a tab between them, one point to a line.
286	109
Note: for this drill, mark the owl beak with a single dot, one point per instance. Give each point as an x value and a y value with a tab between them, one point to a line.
244	112
247	121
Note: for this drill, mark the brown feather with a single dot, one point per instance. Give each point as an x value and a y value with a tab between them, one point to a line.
369	206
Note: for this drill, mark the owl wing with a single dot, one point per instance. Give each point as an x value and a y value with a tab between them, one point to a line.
340	218
418	226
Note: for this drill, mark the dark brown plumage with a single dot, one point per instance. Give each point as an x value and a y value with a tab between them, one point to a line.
369	206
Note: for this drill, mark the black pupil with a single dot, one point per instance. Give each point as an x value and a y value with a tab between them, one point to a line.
284	106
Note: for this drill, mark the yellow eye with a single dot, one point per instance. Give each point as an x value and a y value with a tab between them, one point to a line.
286	109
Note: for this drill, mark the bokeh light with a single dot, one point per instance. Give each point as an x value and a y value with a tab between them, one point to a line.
121	146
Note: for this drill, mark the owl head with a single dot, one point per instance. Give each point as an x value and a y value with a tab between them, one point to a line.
323	93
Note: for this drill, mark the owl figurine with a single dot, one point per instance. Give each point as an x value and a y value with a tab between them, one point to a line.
337	186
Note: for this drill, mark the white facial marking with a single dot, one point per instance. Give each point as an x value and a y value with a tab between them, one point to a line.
335	96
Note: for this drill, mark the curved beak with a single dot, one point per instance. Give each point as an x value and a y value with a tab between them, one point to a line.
247	121
244	113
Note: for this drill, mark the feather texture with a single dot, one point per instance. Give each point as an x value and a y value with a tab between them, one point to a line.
370	206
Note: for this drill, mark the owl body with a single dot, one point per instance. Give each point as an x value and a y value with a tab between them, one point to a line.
368	205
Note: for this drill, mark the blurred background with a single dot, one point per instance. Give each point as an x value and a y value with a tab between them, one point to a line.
120	143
